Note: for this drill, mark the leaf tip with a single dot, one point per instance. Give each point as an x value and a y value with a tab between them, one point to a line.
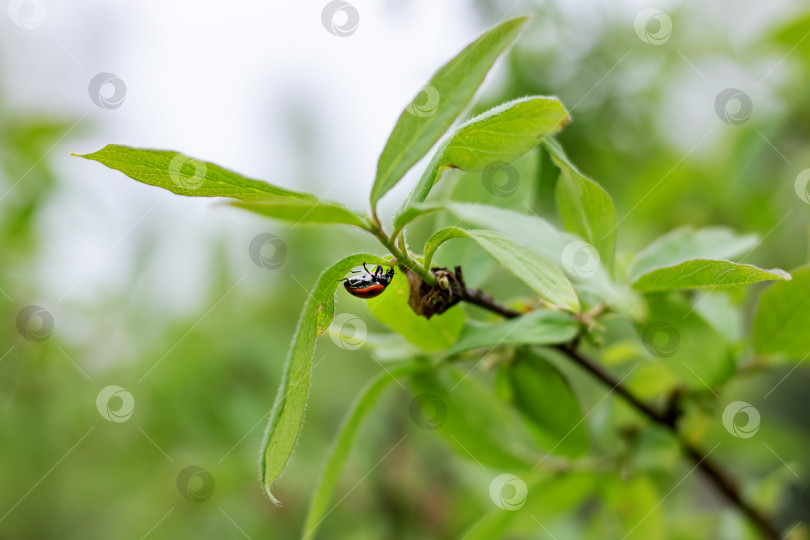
91	155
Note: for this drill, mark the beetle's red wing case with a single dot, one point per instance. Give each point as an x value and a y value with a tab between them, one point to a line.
366	292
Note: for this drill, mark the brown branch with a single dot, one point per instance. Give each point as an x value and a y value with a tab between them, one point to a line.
716	475
484	301
719	477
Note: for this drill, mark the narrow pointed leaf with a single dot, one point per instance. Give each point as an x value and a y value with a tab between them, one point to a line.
585	208
187	176
493	139
532	230
687	243
697	273
287	416
541	276
431	113
505	132
342	445
554	245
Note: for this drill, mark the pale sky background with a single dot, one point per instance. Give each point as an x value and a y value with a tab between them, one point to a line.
223	82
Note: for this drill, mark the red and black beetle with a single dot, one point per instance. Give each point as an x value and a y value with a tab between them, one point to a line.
370	284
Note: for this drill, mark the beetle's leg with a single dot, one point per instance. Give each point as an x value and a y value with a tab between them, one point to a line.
378	272
366	269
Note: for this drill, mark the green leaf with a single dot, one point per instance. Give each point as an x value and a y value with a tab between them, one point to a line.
543	327
342	445
677	337
505	132
699	273
307	211
412	212
447	94
385	347
585	208
686	243
188	176
434	334
546	399
287	416
505	184
783	317
549	242
635	503
493	139
725	316
534	231
541	276
477	424
549	496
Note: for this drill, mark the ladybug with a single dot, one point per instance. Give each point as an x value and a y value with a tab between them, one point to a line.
370	284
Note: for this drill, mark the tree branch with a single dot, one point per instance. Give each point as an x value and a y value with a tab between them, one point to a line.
482	300
716	475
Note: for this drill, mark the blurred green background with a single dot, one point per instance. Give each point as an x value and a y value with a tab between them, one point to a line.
161	298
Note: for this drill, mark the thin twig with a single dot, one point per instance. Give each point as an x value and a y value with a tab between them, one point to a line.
716	475
484	301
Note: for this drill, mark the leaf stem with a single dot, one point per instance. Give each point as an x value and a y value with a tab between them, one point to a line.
401	255
722	481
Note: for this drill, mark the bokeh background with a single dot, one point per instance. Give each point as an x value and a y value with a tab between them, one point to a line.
158	295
